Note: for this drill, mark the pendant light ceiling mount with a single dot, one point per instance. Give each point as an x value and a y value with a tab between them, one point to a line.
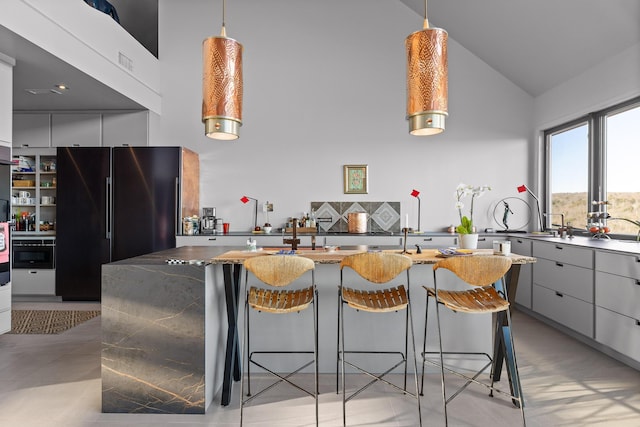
427	79
222	85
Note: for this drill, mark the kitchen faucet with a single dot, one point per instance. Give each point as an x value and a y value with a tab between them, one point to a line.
562	230
294	240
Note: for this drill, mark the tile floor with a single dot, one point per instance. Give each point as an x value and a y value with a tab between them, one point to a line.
54	380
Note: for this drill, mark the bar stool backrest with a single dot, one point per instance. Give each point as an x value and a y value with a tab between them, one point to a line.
476	270
377	267
278	270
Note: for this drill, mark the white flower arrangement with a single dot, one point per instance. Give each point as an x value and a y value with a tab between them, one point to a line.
462	191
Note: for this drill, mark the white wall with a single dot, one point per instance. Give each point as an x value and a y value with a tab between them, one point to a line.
324	86
608	83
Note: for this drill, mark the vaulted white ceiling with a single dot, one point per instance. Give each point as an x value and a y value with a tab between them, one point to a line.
537	44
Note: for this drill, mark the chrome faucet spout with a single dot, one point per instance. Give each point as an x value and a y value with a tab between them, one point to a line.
562	230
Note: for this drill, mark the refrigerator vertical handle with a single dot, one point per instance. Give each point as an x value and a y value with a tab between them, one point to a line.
107	208
177	207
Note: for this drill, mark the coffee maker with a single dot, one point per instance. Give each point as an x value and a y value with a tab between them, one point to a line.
208	221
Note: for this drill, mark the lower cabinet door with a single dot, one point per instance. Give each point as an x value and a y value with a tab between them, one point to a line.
33	282
564	309
619	332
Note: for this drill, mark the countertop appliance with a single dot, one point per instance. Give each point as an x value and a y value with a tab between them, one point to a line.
208	221
117	203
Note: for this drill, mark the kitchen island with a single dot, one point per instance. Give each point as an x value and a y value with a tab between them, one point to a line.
170	333
162	328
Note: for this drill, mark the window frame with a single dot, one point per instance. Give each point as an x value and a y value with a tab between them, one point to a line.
597	154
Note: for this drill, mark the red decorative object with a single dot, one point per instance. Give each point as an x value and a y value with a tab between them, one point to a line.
415	193
244	199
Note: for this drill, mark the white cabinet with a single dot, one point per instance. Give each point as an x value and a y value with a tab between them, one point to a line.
76	130
263	240
431	242
34	282
31	130
618	332
617	298
522	246
563	285
125	129
41	130
566	310
5	308
353	240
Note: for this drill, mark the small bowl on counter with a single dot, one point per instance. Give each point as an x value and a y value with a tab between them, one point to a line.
330	248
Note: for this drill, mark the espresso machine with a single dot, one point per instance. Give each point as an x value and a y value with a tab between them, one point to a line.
208	221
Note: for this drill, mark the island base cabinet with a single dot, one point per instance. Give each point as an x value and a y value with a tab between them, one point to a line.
619	332
564	309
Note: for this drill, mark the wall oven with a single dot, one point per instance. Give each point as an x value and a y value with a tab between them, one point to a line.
34	253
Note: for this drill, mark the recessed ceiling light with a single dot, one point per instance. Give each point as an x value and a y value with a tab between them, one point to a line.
62	86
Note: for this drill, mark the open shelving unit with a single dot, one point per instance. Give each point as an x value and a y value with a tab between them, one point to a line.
34	174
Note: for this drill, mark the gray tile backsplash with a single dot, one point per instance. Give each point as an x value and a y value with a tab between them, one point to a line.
383	216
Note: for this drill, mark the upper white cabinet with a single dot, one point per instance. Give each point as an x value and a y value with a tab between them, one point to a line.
125	129
76	130
43	130
31	130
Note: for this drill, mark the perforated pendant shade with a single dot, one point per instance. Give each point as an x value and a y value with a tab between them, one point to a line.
427	81
222	87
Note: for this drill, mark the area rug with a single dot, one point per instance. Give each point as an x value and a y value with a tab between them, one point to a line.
48	321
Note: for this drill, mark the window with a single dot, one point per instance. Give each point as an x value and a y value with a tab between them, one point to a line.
622	173
592	167
568	174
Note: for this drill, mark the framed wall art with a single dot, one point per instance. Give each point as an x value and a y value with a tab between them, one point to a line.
356	179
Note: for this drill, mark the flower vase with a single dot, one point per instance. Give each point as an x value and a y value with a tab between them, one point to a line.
468	241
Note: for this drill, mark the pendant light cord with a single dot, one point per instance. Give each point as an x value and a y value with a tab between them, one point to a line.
426	21
223	33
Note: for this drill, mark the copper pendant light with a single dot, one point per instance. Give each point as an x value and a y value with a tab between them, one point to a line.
222	85
427	81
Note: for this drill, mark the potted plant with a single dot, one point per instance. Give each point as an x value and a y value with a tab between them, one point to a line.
466	230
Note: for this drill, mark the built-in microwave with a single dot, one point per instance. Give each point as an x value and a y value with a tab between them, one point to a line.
34	253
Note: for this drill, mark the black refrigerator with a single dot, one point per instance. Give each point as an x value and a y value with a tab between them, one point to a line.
118	203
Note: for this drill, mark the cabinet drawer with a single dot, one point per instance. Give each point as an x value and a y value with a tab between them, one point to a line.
563	253
432	241
5	297
564	278
486	242
623	265
619	294
33	282
566	310
619	332
520	246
